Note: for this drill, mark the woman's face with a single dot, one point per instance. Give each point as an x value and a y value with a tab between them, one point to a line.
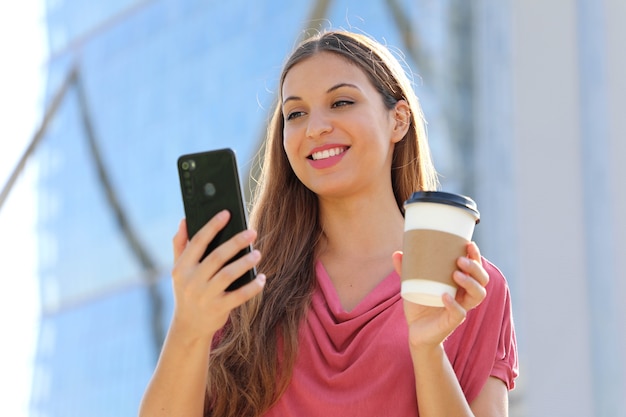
338	135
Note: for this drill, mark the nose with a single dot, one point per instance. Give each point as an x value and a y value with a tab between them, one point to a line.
318	124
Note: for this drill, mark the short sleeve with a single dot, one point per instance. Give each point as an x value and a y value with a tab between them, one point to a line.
505	366
485	344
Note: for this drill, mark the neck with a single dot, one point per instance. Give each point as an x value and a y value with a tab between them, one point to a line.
362	227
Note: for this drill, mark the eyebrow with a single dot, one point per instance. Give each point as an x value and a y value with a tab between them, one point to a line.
330	90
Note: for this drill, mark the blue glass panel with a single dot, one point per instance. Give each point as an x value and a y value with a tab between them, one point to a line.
95	358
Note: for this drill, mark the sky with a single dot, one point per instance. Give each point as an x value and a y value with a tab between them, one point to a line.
23	49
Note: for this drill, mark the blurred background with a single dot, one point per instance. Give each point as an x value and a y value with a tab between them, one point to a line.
524	102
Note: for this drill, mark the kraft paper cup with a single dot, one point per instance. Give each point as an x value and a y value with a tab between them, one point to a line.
437	228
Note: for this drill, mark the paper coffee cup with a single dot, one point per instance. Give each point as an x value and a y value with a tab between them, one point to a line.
437	228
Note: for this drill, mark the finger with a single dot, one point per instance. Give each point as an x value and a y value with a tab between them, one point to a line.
199	242
246	292
221	255
235	270
471	291
474	269
473	252
397	261
455	310
179	242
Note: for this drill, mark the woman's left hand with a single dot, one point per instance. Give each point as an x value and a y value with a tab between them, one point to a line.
430	326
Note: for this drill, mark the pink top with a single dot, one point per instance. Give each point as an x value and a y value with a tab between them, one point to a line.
358	362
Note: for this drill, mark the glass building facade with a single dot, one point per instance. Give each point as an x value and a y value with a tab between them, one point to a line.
156	79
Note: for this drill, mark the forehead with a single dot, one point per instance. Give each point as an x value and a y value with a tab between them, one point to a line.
322	70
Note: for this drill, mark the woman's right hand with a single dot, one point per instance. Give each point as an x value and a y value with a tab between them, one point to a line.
202	305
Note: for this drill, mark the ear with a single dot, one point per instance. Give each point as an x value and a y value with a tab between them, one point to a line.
401	120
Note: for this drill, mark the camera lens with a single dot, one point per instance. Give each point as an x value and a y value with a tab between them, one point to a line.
209	189
189	165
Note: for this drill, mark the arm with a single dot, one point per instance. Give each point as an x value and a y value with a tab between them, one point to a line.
178	385
179	381
439	392
493	399
437	387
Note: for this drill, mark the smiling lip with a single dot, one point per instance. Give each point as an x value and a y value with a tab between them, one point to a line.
327	156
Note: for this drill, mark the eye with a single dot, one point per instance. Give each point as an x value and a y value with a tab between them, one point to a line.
342	103
294	115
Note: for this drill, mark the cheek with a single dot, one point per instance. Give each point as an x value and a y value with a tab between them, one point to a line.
290	143
291	146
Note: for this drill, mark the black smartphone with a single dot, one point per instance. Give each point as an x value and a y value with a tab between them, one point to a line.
210	183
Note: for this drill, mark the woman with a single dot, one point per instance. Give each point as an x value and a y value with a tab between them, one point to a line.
322	330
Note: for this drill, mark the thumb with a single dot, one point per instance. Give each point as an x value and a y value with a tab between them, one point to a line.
397	261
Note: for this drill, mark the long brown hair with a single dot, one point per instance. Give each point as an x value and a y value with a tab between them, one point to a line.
252	363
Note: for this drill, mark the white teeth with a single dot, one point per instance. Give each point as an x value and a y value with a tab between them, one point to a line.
327	153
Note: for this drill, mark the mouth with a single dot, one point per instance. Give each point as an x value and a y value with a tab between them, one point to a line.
327	153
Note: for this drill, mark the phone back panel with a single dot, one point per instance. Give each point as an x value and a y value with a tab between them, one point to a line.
210	183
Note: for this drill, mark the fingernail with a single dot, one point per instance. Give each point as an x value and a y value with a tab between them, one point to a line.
249	234
460	275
